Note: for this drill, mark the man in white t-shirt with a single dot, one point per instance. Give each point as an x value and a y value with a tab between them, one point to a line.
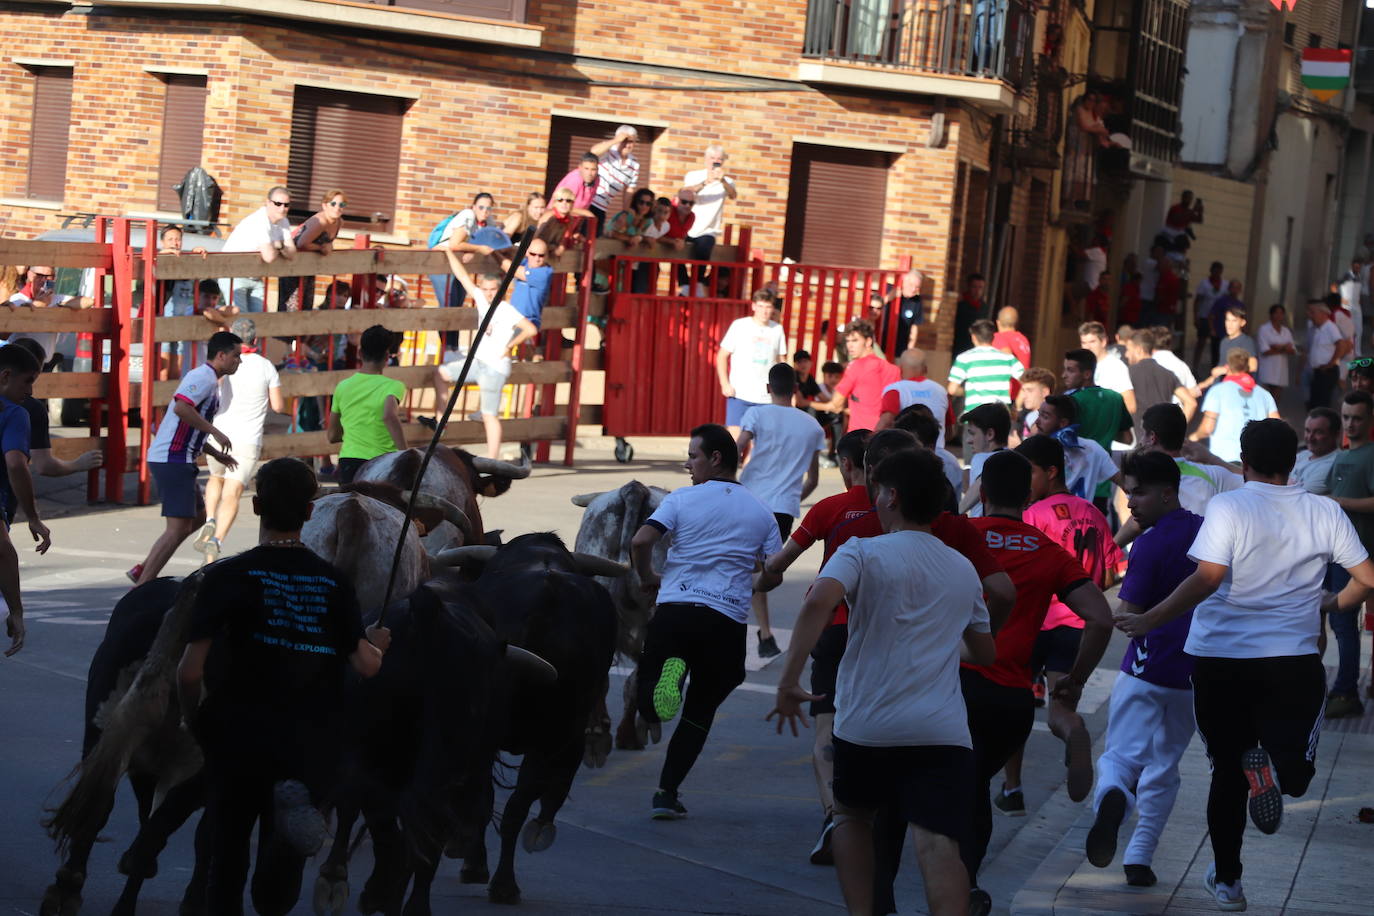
914	388
713	188
1257	632
491	363
1111	372
781	447
1327	349
268	232
750	348
901	728
243	401
718	534
1086	464
37	292
1322	435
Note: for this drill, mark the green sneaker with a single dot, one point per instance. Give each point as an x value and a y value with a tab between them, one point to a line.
668	690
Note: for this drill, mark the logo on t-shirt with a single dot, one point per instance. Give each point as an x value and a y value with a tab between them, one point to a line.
1061	511
996	540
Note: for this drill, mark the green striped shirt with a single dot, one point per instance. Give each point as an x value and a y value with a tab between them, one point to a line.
986	375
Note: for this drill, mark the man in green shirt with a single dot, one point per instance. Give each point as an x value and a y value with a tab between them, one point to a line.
1351	483
364	415
1102	413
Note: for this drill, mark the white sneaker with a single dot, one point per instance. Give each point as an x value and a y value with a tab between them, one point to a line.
1229	897
204	536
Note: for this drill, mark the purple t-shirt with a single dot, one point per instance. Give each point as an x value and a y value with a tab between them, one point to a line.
1159	562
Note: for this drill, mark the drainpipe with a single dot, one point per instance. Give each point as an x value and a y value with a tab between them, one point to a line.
985	267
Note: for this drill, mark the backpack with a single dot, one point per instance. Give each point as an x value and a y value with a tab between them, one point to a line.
437	232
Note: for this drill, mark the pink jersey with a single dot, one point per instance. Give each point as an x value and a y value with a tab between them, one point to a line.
1077	526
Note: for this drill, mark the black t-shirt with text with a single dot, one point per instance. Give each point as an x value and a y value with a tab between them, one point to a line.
285	622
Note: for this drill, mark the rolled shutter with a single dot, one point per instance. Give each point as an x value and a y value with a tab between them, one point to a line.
350	141
183	126
52	118
570	138
508	10
835	203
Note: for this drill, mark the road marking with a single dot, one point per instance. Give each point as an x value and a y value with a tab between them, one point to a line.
110	555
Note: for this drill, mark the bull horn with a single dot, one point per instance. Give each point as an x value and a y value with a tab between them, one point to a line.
583	500
473	554
591	565
502	468
527	662
451	513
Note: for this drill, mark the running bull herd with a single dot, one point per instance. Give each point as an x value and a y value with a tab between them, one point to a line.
495	648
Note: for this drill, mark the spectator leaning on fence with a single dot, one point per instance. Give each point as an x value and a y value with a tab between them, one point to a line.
268	232
454	234
37	292
244	399
364	416
533	280
178	299
526	219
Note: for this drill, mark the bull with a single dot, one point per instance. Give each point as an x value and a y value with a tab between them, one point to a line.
608	525
453	475
543	598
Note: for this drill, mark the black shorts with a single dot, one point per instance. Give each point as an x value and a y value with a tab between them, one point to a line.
933	786
1056	650
825	665
785	523
178	489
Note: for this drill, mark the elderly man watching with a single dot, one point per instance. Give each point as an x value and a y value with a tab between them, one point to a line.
1324	357
617	173
268	232
712	187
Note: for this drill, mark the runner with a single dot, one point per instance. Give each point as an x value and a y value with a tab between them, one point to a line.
915	607
782	449
719	533
1150	721
1076	525
1258	680
1001	707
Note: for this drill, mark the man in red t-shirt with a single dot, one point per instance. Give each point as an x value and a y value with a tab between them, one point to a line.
835	520
864	379
1008	339
1001	707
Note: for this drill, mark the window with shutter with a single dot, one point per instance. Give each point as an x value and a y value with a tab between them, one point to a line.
52	117
349	141
569	138
508	10
183	124
835	203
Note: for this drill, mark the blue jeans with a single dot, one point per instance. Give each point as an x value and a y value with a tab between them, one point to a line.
247	293
1346	627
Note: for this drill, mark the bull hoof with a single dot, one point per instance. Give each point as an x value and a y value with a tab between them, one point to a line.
505	893
60	902
132	865
628	738
598	749
538	836
473	874
331	894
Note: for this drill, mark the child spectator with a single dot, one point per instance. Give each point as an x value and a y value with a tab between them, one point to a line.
178	299
364	415
988	425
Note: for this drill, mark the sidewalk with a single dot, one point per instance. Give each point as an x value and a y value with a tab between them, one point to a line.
1315	864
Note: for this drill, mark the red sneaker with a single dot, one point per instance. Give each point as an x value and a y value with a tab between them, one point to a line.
134	573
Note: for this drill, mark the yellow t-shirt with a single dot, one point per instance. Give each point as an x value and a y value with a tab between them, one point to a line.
358	400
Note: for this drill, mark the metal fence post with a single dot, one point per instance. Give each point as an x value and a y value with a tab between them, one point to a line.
121	338
148	312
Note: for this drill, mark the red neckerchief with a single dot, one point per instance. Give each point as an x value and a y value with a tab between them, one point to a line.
1243	379
249	350
919	378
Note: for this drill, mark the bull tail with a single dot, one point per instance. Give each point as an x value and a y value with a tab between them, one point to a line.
130	723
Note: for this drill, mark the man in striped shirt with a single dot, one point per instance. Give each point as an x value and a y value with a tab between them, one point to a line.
983	374
617	172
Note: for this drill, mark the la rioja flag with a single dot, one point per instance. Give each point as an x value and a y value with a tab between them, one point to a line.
1325	71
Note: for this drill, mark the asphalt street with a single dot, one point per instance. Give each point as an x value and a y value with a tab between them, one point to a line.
752	801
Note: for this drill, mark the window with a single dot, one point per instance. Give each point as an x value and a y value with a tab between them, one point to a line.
826	186
570	138
508	10
52	117
183	123
346	140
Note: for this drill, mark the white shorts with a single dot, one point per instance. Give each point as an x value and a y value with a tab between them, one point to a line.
247	457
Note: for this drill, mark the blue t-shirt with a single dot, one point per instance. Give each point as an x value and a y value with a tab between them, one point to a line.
1159	562
1234	408
532	293
14	436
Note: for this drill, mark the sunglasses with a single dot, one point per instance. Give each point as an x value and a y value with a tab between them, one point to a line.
280	203
1363	362
687	203
535	254
41	276
562	200
335	203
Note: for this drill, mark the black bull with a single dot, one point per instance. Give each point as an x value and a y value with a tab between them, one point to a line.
428	727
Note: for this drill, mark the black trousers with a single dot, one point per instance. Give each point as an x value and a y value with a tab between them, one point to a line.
713	646
1241	703
1324	385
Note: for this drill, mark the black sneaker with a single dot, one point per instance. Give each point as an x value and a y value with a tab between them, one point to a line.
821	854
299	823
1266	801
979	902
1140	876
667	807
1012	804
768	648
1101	845
427	422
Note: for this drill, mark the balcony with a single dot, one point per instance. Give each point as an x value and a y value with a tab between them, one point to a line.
980	50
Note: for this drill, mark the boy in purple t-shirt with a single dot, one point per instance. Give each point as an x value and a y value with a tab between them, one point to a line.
1150	722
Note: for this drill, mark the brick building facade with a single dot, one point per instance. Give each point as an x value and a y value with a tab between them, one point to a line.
461	104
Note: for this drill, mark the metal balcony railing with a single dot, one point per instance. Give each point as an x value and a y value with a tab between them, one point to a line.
983	38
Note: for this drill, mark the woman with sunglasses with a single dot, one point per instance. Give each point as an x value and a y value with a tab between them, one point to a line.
317	233
632	226
560	226
1275	351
